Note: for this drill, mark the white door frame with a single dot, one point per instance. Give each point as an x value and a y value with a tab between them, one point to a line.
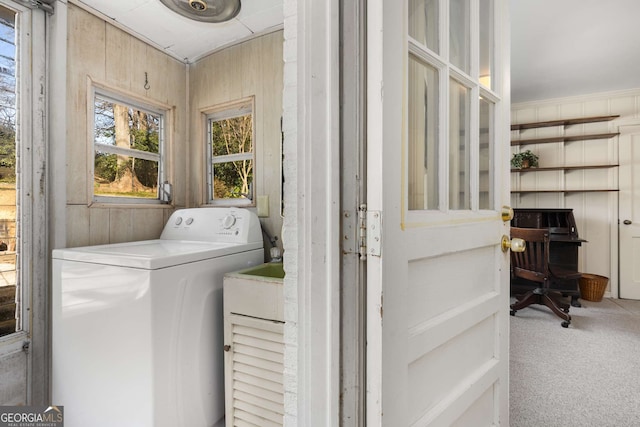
311	230
32	197
353	188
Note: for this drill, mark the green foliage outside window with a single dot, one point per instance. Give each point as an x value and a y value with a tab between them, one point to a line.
233	136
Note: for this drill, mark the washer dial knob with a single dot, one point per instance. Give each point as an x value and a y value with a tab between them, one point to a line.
228	221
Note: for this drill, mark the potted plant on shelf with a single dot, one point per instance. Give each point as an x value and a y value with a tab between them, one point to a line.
524	160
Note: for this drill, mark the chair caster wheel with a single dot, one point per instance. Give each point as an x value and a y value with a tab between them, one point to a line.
513	312
565	324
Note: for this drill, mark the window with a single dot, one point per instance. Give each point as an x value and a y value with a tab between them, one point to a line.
10	296
128	150
230	154
451	101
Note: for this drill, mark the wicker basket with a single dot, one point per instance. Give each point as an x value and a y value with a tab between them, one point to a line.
592	287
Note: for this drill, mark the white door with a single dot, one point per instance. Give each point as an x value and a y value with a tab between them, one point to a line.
629	180
437	163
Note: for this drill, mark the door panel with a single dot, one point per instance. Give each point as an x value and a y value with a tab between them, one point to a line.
438	292
629	212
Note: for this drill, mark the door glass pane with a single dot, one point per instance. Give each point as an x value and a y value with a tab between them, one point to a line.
486	42
459	39
459	147
423	136
486	155
9	304
423	22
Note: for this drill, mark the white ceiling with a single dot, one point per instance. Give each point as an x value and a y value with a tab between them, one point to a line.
573	47
185	38
558	47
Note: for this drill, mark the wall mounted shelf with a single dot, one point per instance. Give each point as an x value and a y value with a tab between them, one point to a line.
563	168
563	122
563	191
564	138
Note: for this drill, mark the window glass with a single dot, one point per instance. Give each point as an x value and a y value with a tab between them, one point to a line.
423	136
485	178
231	155
423	22
459	40
459	147
486	42
10	294
127	150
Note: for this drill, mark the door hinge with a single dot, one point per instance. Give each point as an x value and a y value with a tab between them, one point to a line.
370	232
374	233
362	232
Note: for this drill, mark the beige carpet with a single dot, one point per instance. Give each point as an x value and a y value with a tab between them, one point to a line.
582	376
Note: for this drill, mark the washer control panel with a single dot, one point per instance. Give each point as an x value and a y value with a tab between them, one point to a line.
233	225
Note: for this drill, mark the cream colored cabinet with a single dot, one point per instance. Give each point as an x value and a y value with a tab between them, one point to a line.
254	348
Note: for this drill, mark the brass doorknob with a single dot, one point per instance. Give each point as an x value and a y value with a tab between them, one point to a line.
506	213
515	244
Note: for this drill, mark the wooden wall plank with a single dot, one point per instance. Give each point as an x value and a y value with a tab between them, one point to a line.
99	52
78	231
84	59
253	68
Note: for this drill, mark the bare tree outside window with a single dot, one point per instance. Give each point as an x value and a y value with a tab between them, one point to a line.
127	150
232	139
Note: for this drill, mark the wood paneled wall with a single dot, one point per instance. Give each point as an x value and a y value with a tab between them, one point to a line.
596	213
253	68
99	52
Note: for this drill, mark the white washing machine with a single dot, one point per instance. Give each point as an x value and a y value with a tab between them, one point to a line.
138	327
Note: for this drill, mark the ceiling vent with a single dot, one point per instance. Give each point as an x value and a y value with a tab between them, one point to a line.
205	10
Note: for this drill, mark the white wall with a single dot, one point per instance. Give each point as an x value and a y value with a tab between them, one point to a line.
596	213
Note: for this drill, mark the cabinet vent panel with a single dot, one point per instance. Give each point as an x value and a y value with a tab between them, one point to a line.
258	352
267	340
261	382
260	406
257	367
264	334
242	423
259	342
276	396
246	419
275	376
258	362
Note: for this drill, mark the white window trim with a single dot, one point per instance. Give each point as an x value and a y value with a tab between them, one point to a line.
122	97
229	110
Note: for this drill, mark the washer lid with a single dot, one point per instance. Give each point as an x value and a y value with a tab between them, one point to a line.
152	254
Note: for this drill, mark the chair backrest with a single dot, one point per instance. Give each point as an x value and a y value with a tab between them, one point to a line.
533	263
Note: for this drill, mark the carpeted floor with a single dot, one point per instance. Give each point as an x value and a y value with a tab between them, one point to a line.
587	375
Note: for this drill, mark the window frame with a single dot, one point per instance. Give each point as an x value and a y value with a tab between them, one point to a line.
229	110
440	60
145	105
